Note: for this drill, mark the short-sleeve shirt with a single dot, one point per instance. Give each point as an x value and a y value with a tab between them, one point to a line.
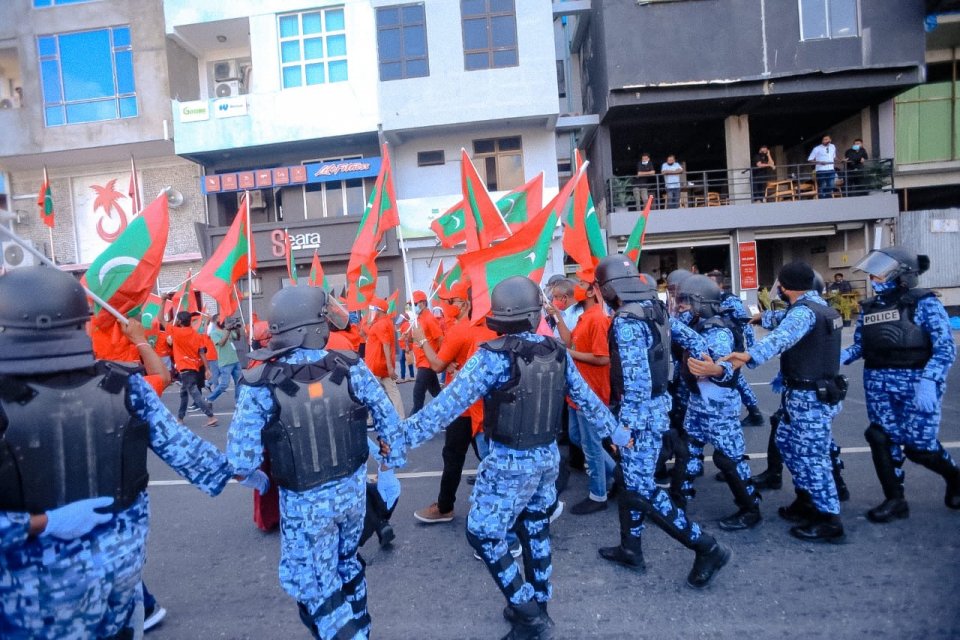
211	348
378	334
226	352
590	336
432	333
459	344
186	348
824	156
672	180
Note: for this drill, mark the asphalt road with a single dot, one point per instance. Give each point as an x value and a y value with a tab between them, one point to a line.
216	573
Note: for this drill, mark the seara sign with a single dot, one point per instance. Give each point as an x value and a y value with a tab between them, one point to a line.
194	111
308	240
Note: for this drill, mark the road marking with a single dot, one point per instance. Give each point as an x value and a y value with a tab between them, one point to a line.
413	475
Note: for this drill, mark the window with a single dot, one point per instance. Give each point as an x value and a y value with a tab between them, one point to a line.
820	19
561	79
313	47
49	3
489	34
499	162
402	42
337	197
87	76
430	158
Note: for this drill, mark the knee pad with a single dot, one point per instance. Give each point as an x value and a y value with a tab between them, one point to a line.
920	456
724	462
876	436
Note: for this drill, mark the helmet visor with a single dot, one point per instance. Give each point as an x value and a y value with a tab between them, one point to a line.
879	264
337	314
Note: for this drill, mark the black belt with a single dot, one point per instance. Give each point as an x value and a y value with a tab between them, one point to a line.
802	384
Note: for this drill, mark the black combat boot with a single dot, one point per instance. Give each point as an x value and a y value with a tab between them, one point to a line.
528	621
753	418
769	479
748	501
800	510
711	556
894	506
823	527
629	552
940	462
772	478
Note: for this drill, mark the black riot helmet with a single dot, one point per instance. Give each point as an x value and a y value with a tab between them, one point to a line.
819	285
674	278
702	294
301	316
620	281
43	317
895	264
515	306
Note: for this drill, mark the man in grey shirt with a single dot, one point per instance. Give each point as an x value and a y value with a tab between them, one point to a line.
227	358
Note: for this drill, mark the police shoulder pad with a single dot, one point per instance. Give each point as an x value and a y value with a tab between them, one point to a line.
274	373
116	375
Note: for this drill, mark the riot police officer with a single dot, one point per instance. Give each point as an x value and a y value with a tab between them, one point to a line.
903	335
713	412
809	339
523	379
308	407
74	434
639	337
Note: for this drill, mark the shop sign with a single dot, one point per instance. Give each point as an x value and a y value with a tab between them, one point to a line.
194	111
748	265
309	173
230	107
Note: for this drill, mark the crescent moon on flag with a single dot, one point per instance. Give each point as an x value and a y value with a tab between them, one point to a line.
533	257
511	205
457	223
114	263
361	279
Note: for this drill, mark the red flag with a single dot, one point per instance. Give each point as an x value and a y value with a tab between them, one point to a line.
317	277
582	237
393	303
45	201
124	274
437	277
185	299
635	241
230	262
482	219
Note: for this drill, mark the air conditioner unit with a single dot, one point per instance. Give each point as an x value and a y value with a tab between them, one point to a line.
226	70
256	199
14	256
227	89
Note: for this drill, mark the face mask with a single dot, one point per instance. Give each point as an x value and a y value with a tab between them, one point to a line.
856	147
579	293
451	311
883	287
560	304
686	317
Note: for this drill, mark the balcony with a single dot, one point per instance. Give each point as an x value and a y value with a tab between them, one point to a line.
726	199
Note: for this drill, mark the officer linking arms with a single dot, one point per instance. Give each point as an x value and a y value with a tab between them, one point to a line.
903	335
74	434
639	339
809	339
523	379
308	407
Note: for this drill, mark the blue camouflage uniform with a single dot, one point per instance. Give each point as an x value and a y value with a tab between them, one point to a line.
320	527
647	419
733	307
805	440
890	393
88	587
513	485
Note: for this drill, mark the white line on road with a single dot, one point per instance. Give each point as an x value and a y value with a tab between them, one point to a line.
472	472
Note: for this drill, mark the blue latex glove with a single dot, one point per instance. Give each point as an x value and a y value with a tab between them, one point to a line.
388	487
710	391
257	480
620	436
843	357
926	398
77	518
776	385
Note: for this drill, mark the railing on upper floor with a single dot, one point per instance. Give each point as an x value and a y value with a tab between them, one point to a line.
719	187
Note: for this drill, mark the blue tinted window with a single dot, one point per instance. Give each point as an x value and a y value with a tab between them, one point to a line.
289	26
402	42
489	34
313	47
87	76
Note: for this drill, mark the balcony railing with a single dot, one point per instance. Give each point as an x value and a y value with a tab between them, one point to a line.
719	187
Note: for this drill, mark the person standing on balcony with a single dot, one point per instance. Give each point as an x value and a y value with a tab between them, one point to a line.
855	159
671	171
763	171
646	180
824	156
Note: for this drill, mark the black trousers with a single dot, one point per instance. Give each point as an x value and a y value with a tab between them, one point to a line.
190	382
426	381
457	441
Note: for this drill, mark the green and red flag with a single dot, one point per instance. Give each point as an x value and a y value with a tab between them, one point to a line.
635	241
437	277
516	208
582	237
317	277
450	278
482	220
151	313
45	201
392	303
288	255
230	262
449	228
380	215
185	299
124	274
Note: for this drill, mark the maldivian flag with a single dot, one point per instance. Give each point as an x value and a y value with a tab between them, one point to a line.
45	202
151	311
449	279
392	303
635	241
482	220
516	208
437	277
449	228
124	274
582	238
291	263
185	299
317	277
228	264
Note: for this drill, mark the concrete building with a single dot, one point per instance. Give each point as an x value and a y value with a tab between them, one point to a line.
83	89
293	98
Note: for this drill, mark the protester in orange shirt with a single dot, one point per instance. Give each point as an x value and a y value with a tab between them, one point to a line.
381	353
406	349
590	351
426	379
188	358
459	344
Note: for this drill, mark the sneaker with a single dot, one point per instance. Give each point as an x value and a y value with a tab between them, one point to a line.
433	515
193	409
516	551
153	617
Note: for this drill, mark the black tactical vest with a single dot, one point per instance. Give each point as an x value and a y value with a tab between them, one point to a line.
716	322
70	436
890	337
526	411
319	432
816	357
658	360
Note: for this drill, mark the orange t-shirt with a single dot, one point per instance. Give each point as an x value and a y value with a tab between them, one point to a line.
378	334
353	335
590	336
432	333
339	341
113	345
459	344
211	353
186	348
161	347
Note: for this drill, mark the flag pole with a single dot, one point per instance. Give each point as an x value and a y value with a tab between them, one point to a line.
246	202
135	196
239	305
406	273
47	261
53	255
